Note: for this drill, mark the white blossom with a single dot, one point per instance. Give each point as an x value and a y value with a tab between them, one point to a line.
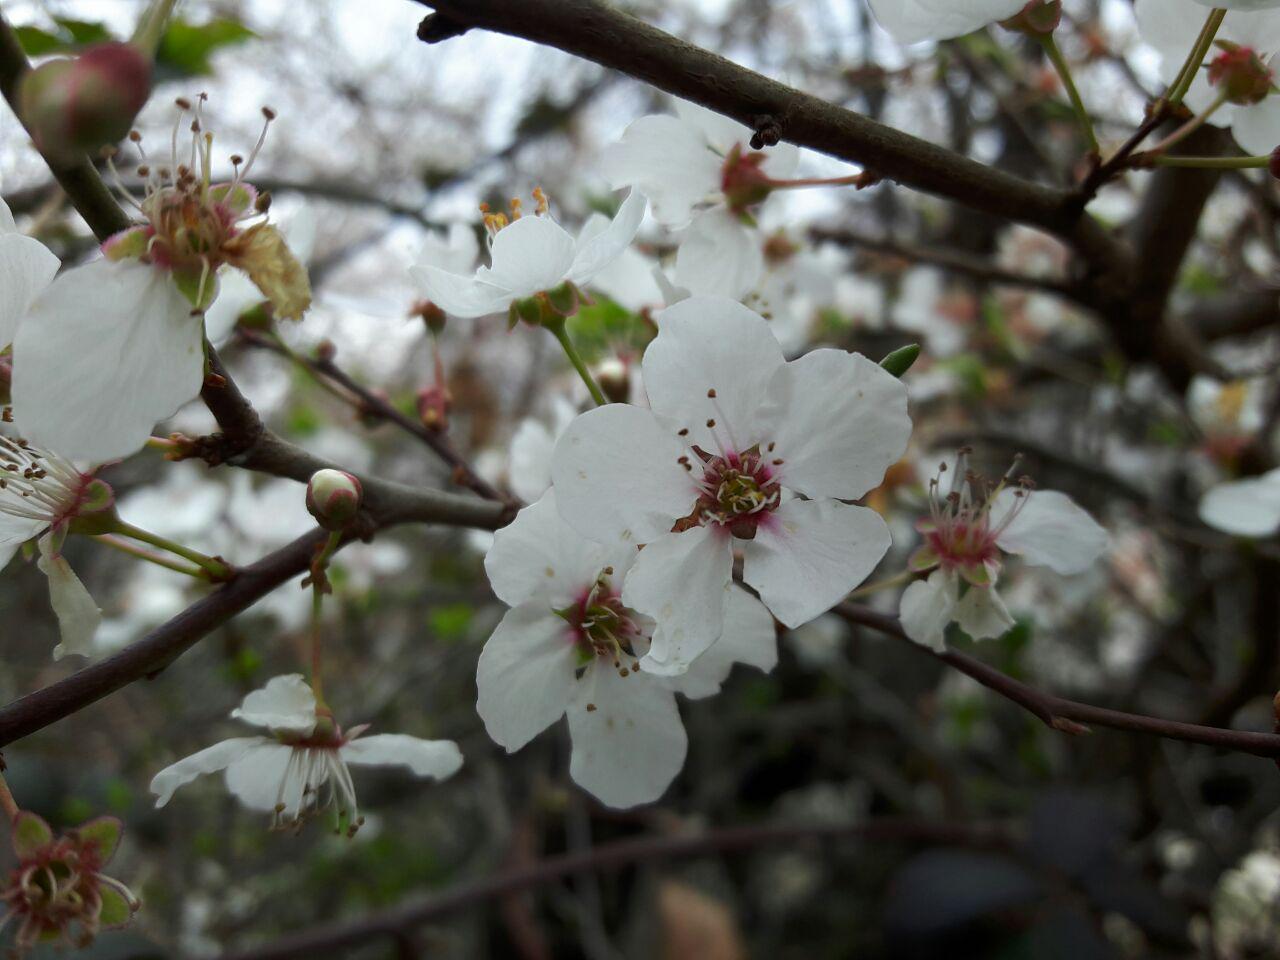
569	646
26	268
911	21
304	765
1246	508
740	449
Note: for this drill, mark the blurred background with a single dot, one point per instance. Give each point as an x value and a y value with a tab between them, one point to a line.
1011	840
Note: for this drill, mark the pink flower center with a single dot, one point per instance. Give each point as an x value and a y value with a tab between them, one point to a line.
602	628
737	491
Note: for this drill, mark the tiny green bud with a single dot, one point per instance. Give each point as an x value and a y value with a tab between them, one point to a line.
899	361
333	498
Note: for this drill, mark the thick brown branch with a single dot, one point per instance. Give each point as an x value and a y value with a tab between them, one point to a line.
1066	715
323	941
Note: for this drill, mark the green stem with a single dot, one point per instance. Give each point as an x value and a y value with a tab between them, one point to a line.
1192	125
558	331
217	569
1215	163
152	25
318	581
1068	82
1196	57
125	547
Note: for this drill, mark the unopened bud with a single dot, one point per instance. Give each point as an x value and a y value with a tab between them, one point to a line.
614	379
433	408
743	180
73	106
326	350
1037	18
333	498
1239	73
430	314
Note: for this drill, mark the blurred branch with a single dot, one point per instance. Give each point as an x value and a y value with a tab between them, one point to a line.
324	940
1068	716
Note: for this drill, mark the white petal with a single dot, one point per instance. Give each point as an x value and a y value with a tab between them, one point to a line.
209	760
460	295
257	777
811	554
525	676
6	219
1240	4
911	21
531	460
1257	127
26	268
286	704
78	616
682	581
631	746
595	251
668	161
839	421
14	532
707	343
425	758
236	294
749	637
534	253
927	607
1049	531
456	252
1246	508
982	614
719	256
539	555
104	353
617	478
721	132
629	281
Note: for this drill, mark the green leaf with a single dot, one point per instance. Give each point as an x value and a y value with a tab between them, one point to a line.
71	34
103	833
30	833
899	361
186	49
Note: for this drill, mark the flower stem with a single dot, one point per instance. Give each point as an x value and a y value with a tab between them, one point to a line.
319	583
1060	64
7	803
558	331
1196	57
1192	125
1214	163
885	584
216	569
126	547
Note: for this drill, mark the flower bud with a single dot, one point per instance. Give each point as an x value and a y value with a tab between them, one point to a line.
73	106
430	314
333	498
1037	18
433	408
743	180
1239	72
614	379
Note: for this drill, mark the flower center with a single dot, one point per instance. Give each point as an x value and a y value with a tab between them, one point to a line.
493	222
37	485
604	629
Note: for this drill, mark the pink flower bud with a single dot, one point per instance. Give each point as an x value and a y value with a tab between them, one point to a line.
333	498
74	106
1037	18
1239	72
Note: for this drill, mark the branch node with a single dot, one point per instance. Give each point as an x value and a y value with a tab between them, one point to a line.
768	131
436	28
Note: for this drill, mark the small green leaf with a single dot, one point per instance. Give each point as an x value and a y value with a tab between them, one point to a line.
30	834
186	48
899	361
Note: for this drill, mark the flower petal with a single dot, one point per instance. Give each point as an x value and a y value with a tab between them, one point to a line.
595	251
811	554
707	343
530	471
617	476
927	607
209	760
838	420
525	677
749	637
105	352
982	614
286	704
460	295
1049	531
538	555
26	267
438	759
78	616
669	161
534	253
911	21
629	748
1256	127
257	777
236	294
1246	508
682	581
719	256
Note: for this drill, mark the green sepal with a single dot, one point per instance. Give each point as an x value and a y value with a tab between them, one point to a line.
564	299
188	284
116	908
128	244
513	316
104	520
977	574
899	361
103	834
530	311
30	834
236	197
585	656
923	559
98	496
